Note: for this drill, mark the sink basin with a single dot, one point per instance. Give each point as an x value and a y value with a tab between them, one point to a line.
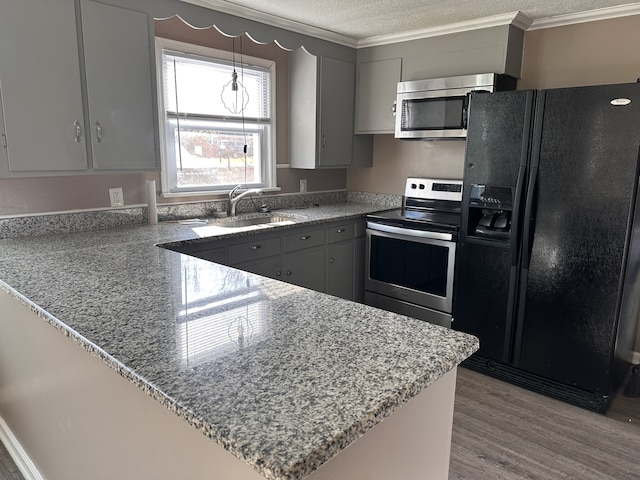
246	222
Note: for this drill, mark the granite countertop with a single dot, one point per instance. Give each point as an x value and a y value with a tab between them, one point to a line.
281	376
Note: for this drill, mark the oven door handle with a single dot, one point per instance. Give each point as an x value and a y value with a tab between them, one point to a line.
409	232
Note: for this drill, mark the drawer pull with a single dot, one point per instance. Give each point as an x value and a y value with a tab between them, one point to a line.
331	260
256	247
305	237
288	273
278	273
341	230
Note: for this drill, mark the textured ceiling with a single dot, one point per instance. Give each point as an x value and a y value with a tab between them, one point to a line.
366	19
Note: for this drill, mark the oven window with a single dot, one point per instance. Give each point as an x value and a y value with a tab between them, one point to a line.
415	265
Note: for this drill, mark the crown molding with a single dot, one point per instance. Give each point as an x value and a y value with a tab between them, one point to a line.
485	22
589	16
516	19
274	21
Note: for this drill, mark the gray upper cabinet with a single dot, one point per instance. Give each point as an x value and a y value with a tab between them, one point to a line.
376	95
59	120
41	86
4	160
116	52
321	106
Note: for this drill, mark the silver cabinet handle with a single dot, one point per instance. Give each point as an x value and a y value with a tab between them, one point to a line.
341	230
331	260
393	109
256	247
324	141
288	273
278	273
305	237
78	129
4	140
98	132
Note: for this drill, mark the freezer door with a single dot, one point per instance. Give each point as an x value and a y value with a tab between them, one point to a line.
580	211
487	271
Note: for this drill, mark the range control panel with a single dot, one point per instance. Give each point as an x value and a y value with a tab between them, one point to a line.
433	189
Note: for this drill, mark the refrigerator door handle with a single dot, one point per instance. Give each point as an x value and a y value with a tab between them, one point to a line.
514	275
529	212
521	180
528	230
516	213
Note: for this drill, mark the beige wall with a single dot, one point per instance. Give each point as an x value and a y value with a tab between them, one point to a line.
61	193
606	51
395	160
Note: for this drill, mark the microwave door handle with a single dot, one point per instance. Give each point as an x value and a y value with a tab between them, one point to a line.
465	110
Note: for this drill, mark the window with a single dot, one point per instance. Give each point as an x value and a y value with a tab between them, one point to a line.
215	136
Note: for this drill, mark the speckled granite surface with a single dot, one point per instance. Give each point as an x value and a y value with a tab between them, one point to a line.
21	226
281	376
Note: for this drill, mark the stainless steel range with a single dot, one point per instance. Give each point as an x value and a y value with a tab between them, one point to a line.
411	251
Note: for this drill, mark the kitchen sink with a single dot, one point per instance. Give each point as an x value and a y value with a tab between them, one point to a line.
247	222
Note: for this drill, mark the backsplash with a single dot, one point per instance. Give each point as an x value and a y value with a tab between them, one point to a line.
65	222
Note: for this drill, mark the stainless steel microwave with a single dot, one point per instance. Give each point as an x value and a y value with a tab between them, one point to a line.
437	108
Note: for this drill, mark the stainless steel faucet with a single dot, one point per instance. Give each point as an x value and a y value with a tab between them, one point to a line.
233	200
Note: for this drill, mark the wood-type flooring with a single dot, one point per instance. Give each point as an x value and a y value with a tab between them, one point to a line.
503	432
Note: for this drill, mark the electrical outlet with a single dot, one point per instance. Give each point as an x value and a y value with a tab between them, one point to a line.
116	197
303	185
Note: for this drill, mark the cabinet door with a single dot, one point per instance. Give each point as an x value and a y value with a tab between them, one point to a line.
340	270
271	268
359	252
3	135
337	84
377	87
116	52
306	270
40	78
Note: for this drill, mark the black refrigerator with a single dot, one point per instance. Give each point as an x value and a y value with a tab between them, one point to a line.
548	260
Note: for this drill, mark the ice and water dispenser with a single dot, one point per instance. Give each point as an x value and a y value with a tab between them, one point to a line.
490	211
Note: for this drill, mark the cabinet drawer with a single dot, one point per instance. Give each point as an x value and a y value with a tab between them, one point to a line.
256	249
305	239
217	255
340	233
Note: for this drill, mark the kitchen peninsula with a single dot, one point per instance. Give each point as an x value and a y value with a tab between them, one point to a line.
120	359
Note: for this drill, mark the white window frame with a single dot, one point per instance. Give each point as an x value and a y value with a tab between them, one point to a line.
193	49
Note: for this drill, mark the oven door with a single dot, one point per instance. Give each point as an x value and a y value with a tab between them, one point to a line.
413	266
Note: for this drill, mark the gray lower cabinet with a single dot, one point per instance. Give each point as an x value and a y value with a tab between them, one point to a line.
340	270
305	269
359	250
327	258
269	268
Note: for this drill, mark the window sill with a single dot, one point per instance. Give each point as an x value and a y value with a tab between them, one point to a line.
220	193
